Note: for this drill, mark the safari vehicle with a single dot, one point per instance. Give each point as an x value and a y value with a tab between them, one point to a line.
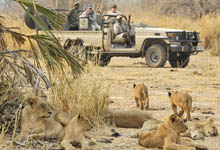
156	45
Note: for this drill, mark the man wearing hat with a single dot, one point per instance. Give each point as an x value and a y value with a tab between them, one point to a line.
114	11
73	17
91	14
121	32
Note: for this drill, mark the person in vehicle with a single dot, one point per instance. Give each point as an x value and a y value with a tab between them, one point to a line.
114	11
91	14
121	32
73	18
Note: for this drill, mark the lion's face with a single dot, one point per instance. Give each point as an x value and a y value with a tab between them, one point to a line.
209	128
85	124
196	135
40	108
177	123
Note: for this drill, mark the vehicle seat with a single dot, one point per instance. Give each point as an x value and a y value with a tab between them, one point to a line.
99	19
112	35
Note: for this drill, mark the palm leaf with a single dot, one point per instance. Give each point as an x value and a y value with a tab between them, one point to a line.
49	46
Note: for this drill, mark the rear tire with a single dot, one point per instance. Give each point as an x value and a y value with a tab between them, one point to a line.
104	61
156	56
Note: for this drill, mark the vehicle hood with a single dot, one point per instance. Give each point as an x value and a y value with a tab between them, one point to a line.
156	30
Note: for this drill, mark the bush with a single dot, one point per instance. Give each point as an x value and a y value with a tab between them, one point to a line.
87	95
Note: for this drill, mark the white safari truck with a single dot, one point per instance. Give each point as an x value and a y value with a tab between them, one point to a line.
156	45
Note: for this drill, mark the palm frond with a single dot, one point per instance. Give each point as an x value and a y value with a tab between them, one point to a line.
53	17
16	69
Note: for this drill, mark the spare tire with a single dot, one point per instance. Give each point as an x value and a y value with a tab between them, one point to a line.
28	20
44	19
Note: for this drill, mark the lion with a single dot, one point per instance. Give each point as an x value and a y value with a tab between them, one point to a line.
38	118
200	129
75	132
183	100
141	96
168	136
129	118
42	122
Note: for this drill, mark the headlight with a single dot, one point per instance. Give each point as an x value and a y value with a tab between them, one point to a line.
171	35
177	37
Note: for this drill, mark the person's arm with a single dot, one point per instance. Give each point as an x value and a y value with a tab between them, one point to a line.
70	13
93	17
83	14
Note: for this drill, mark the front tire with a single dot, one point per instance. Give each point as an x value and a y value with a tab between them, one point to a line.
179	60
156	56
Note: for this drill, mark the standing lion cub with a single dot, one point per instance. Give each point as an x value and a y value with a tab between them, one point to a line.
141	96
182	100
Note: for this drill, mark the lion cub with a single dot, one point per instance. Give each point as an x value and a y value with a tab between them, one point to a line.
141	96
200	129
168	136
42	122
75	132
183	100
39	119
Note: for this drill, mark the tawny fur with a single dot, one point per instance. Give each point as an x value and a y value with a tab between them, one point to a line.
197	129
75	132
141	96
39	120
168	136
182	100
129	118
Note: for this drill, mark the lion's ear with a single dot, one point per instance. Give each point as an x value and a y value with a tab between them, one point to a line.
173	117
31	101
169	94
134	85
209	119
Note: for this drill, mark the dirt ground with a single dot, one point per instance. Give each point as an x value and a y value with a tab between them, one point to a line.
201	79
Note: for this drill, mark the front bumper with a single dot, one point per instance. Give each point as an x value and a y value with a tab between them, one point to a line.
191	49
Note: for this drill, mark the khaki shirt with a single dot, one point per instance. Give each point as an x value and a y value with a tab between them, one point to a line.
118	28
73	17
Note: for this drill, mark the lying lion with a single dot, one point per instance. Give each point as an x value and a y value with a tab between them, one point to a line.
197	130
141	96
39	120
129	118
168	136
182	100
75	132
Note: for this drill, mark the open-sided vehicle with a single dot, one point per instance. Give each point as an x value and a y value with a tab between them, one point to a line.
156	45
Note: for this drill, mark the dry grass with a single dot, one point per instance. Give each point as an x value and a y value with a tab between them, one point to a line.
207	26
17	21
2	137
86	95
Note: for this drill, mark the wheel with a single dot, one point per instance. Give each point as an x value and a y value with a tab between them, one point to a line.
156	56
180	60
104	61
76	48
